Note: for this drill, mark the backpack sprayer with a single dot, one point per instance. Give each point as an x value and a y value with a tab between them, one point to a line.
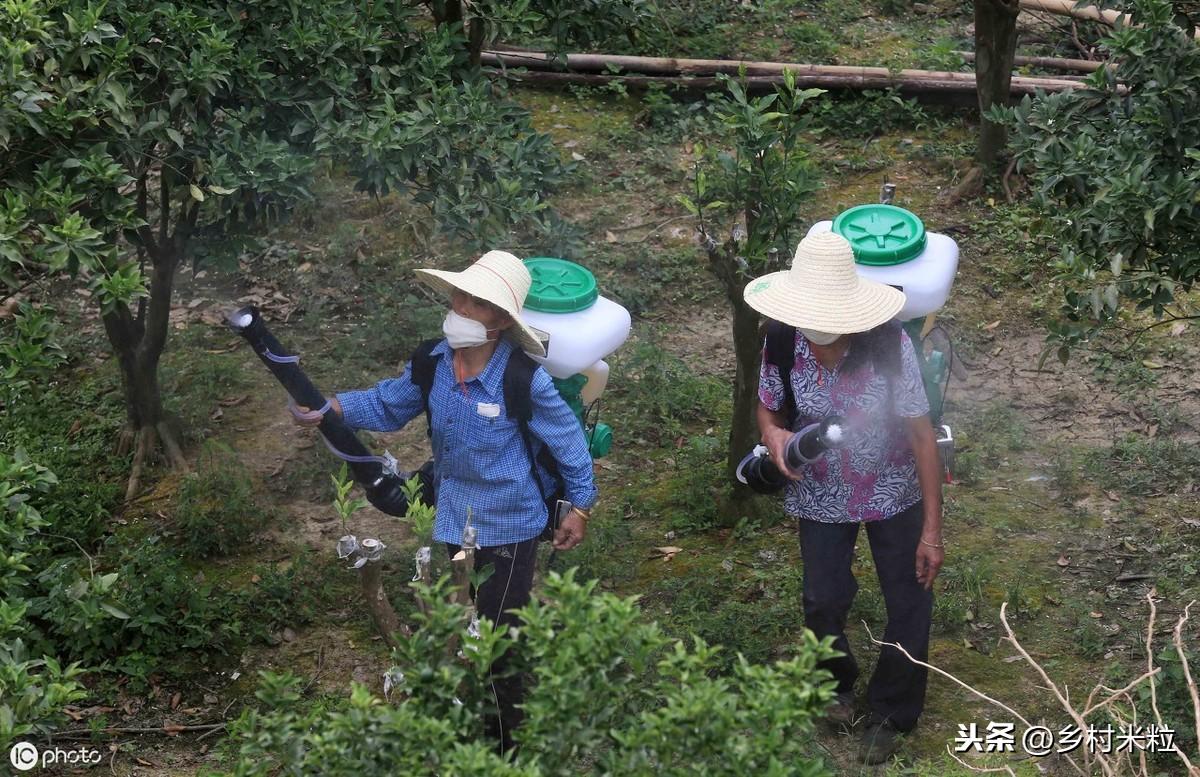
892	247
379	476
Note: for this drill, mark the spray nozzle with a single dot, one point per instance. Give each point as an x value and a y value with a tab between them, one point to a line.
810	443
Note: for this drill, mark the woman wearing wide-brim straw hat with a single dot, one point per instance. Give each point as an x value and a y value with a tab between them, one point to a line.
484	468
849	357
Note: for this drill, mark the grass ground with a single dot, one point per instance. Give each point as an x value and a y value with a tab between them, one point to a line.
1076	489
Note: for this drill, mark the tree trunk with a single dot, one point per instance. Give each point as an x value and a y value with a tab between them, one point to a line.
138	344
995	49
743	426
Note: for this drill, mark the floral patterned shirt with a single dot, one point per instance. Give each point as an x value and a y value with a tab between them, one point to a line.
874	476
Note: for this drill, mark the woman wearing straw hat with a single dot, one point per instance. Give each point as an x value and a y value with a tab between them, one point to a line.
852	359
483	465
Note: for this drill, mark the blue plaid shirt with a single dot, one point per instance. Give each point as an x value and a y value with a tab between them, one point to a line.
481	459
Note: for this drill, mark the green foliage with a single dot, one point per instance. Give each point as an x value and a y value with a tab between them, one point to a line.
694	493
215	509
19	531
343	505
760	171
420	515
1116	168
868	113
32	691
29	352
1173	698
748	613
610	695
659	395
462	148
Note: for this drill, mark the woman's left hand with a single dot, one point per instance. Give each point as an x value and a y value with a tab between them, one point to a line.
929	563
570	532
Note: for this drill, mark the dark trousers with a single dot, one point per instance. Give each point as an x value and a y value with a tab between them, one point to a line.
896	692
506	589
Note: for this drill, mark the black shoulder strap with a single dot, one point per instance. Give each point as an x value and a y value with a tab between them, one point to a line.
424	363
518	404
781	351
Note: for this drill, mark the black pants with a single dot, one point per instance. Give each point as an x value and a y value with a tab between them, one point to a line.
506	589
896	692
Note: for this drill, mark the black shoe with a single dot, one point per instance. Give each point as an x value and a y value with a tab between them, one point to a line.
840	711
879	743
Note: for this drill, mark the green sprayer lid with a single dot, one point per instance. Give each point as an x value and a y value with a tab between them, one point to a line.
559	286
881	234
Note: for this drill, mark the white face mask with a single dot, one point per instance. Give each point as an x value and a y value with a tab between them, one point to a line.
818	338
463	332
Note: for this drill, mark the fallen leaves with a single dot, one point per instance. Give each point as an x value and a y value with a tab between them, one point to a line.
666	553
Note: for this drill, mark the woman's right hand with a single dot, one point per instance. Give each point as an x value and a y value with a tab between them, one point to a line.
309	418
776	439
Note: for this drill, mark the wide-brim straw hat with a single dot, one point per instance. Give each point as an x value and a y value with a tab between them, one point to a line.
500	278
822	290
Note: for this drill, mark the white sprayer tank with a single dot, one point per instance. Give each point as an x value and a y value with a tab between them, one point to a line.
891	246
583	327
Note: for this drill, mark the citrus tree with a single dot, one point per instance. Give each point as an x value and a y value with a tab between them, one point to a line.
128	129
1116	169
748	187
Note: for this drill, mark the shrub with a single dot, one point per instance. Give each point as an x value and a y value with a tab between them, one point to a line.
32	691
610	695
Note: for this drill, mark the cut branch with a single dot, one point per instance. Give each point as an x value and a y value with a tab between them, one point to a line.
387	623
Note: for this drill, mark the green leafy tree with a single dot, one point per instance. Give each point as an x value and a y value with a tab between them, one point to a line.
747	193
610	695
129	129
1116	168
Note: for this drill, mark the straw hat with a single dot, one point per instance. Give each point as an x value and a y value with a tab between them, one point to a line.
500	278
822	291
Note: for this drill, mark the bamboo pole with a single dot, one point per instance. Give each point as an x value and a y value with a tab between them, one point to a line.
1067	8
597	68
1051	63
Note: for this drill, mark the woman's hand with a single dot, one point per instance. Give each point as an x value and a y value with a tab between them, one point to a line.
776	440
929	561
308	418
570	532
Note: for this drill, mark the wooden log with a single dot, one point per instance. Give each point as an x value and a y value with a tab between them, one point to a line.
913	85
675	71
1050	63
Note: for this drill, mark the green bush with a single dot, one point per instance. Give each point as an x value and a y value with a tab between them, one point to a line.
609	695
215	509
32	691
1116	169
29	352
